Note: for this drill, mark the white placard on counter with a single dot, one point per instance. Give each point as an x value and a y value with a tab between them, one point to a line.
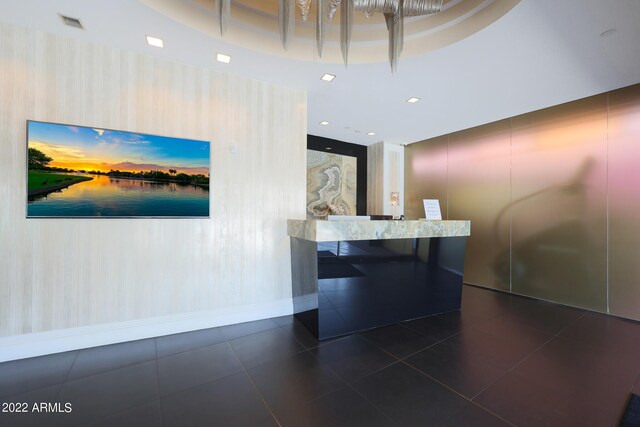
432	209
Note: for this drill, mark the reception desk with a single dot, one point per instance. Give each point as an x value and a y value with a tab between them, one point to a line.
353	275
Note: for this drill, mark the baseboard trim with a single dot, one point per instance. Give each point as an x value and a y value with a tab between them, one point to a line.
58	341
305	302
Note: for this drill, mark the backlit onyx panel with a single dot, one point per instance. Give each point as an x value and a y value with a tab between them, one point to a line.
624	202
425	172
479	191
558	203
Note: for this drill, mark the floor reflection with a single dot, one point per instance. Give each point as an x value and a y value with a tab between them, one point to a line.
367	284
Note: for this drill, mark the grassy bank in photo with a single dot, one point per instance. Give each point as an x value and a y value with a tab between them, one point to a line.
40	182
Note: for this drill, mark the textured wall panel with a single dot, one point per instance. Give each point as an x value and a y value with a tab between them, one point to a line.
65	273
479	191
425	176
558	205
394	177
385	172
375	179
624	202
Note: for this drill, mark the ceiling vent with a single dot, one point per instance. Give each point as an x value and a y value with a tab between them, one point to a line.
72	22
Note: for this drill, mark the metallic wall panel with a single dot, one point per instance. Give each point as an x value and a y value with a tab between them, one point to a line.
558	204
573	205
425	172
479	191
624	202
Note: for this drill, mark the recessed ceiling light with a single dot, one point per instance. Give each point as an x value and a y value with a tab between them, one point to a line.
328	148
327	77
155	41
324	123
371	133
413	100
608	33
72	22
221	57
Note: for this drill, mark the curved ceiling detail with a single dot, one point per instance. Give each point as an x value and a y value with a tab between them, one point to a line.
254	25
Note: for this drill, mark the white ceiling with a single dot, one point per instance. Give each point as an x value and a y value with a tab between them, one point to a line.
541	53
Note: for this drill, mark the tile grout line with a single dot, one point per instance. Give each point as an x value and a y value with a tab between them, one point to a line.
66	376
435	380
469	401
553	336
155	344
186	351
371	403
185	390
524	297
417	332
224	339
380	348
243	368
319	343
472	403
290	333
107	371
396	360
501	376
320	396
571	324
350	385
247	335
122	411
402	359
253	384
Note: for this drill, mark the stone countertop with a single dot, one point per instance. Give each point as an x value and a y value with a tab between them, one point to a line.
344	230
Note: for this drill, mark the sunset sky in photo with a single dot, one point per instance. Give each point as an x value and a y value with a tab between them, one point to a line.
77	148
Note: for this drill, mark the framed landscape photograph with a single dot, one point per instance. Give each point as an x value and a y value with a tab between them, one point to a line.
77	171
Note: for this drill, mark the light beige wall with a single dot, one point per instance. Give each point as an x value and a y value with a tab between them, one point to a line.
65	273
385	173
375	178
393	178
552	198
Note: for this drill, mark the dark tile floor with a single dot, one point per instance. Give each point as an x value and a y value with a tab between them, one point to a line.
503	360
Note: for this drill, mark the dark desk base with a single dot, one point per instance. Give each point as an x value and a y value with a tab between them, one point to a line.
366	284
